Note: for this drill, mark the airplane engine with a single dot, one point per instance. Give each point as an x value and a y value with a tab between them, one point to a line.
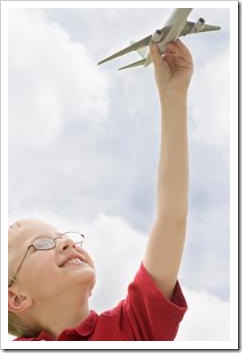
198	26
160	34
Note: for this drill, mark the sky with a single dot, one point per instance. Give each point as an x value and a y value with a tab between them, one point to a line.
83	147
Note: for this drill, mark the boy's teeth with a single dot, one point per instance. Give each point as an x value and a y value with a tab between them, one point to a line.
74	261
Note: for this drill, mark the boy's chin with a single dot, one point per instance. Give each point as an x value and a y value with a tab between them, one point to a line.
92	286
87	276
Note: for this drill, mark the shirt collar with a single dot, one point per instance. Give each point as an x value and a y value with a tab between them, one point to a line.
84	329
87	326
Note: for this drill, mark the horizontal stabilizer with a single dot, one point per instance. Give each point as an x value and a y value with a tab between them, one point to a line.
136	63
208	28
188	29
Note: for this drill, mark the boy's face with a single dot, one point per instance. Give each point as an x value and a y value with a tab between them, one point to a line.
46	274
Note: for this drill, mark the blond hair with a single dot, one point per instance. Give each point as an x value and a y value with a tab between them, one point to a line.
16	326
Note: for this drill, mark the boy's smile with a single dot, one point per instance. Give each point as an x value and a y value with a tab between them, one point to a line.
73	261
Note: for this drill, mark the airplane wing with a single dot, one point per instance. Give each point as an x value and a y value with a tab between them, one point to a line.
189	28
137	45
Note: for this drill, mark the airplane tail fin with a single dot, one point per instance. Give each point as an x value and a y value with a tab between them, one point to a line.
136	63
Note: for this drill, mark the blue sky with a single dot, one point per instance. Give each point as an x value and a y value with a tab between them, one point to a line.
84	145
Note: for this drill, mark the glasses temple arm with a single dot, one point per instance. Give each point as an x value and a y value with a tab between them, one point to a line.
14	277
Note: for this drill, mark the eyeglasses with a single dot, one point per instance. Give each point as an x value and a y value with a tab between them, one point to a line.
45	242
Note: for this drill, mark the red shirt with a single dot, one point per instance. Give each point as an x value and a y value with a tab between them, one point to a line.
145	315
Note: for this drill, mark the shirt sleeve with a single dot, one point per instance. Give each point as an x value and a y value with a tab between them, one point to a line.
147	314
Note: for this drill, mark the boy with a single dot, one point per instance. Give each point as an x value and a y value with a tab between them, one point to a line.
51	276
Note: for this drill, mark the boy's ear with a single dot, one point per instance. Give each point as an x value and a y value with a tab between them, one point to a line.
18	302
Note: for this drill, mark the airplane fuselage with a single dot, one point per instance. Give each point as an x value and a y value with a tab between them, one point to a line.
170	32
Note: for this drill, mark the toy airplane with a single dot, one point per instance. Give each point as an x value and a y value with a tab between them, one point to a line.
176	26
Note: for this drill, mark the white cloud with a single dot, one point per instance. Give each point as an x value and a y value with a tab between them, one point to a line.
118	251
207	319
206	263
211	99
51	79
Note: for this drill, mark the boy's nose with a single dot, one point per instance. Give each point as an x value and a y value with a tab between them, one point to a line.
64	244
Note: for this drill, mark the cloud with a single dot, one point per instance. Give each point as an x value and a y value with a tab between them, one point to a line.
118	250
211	124
50	80
206	262
207	319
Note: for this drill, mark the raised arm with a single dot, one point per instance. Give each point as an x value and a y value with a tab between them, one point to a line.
163	254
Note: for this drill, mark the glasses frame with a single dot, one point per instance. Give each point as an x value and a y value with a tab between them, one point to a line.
60	235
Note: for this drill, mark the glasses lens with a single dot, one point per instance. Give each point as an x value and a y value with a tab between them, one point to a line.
77	238
44	243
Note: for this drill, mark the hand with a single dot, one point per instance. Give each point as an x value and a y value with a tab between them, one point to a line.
173	68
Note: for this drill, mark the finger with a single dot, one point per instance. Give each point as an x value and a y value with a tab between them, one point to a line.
183	50
156	54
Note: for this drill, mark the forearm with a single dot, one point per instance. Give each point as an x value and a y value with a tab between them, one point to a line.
172	188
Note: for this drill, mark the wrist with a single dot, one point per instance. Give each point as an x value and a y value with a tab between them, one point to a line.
170	96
